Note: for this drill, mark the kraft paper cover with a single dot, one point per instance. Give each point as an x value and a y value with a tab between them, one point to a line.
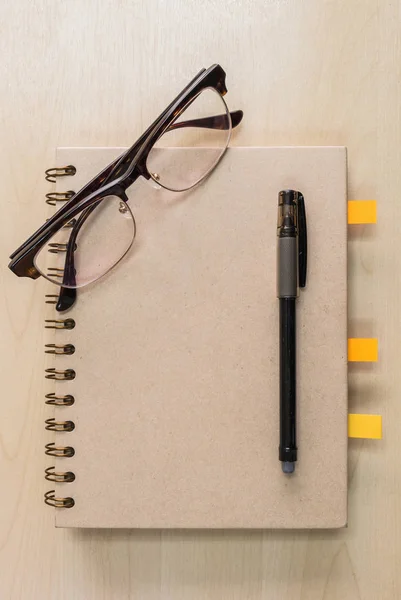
176	394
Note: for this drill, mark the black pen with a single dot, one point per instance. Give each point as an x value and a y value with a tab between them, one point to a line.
291	275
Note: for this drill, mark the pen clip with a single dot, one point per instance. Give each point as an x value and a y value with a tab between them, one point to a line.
302	241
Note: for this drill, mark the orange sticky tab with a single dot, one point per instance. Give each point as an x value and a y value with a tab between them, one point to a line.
363	350
365	426
361	211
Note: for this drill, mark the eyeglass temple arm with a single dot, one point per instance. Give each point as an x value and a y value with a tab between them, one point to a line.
215	122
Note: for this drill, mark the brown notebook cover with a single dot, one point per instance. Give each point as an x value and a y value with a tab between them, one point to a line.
176	394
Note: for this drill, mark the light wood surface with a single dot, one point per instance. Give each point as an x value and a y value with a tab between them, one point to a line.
95	73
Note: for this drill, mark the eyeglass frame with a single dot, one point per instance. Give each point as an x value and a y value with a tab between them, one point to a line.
126	169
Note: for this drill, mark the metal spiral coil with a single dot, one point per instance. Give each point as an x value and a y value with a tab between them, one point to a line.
60	323
53	425
59	451
60	349
59	476
52	174
55	272
62	375
52	500
53	197
56	248
66	349
54	400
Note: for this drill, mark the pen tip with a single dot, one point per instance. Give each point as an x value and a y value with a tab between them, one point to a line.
288	467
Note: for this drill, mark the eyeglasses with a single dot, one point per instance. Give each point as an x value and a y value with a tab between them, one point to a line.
95	228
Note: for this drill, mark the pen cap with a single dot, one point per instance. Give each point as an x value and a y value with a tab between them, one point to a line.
292	243
287	245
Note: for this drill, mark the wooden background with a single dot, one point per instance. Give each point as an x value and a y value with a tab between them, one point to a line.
95	72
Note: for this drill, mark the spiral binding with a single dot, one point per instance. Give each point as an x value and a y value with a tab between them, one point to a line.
60	324
53	197
58	349
51	298
62	375
59	477
53	425
52	500
61	349
59	451
54	400
55	248
51	174
55	272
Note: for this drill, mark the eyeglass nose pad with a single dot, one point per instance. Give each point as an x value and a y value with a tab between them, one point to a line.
153	181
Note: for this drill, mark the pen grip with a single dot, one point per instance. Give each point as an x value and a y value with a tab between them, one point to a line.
288	447
287	267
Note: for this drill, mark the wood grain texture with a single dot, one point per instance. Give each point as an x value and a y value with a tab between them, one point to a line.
95	73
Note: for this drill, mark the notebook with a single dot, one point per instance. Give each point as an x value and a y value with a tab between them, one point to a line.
175	400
